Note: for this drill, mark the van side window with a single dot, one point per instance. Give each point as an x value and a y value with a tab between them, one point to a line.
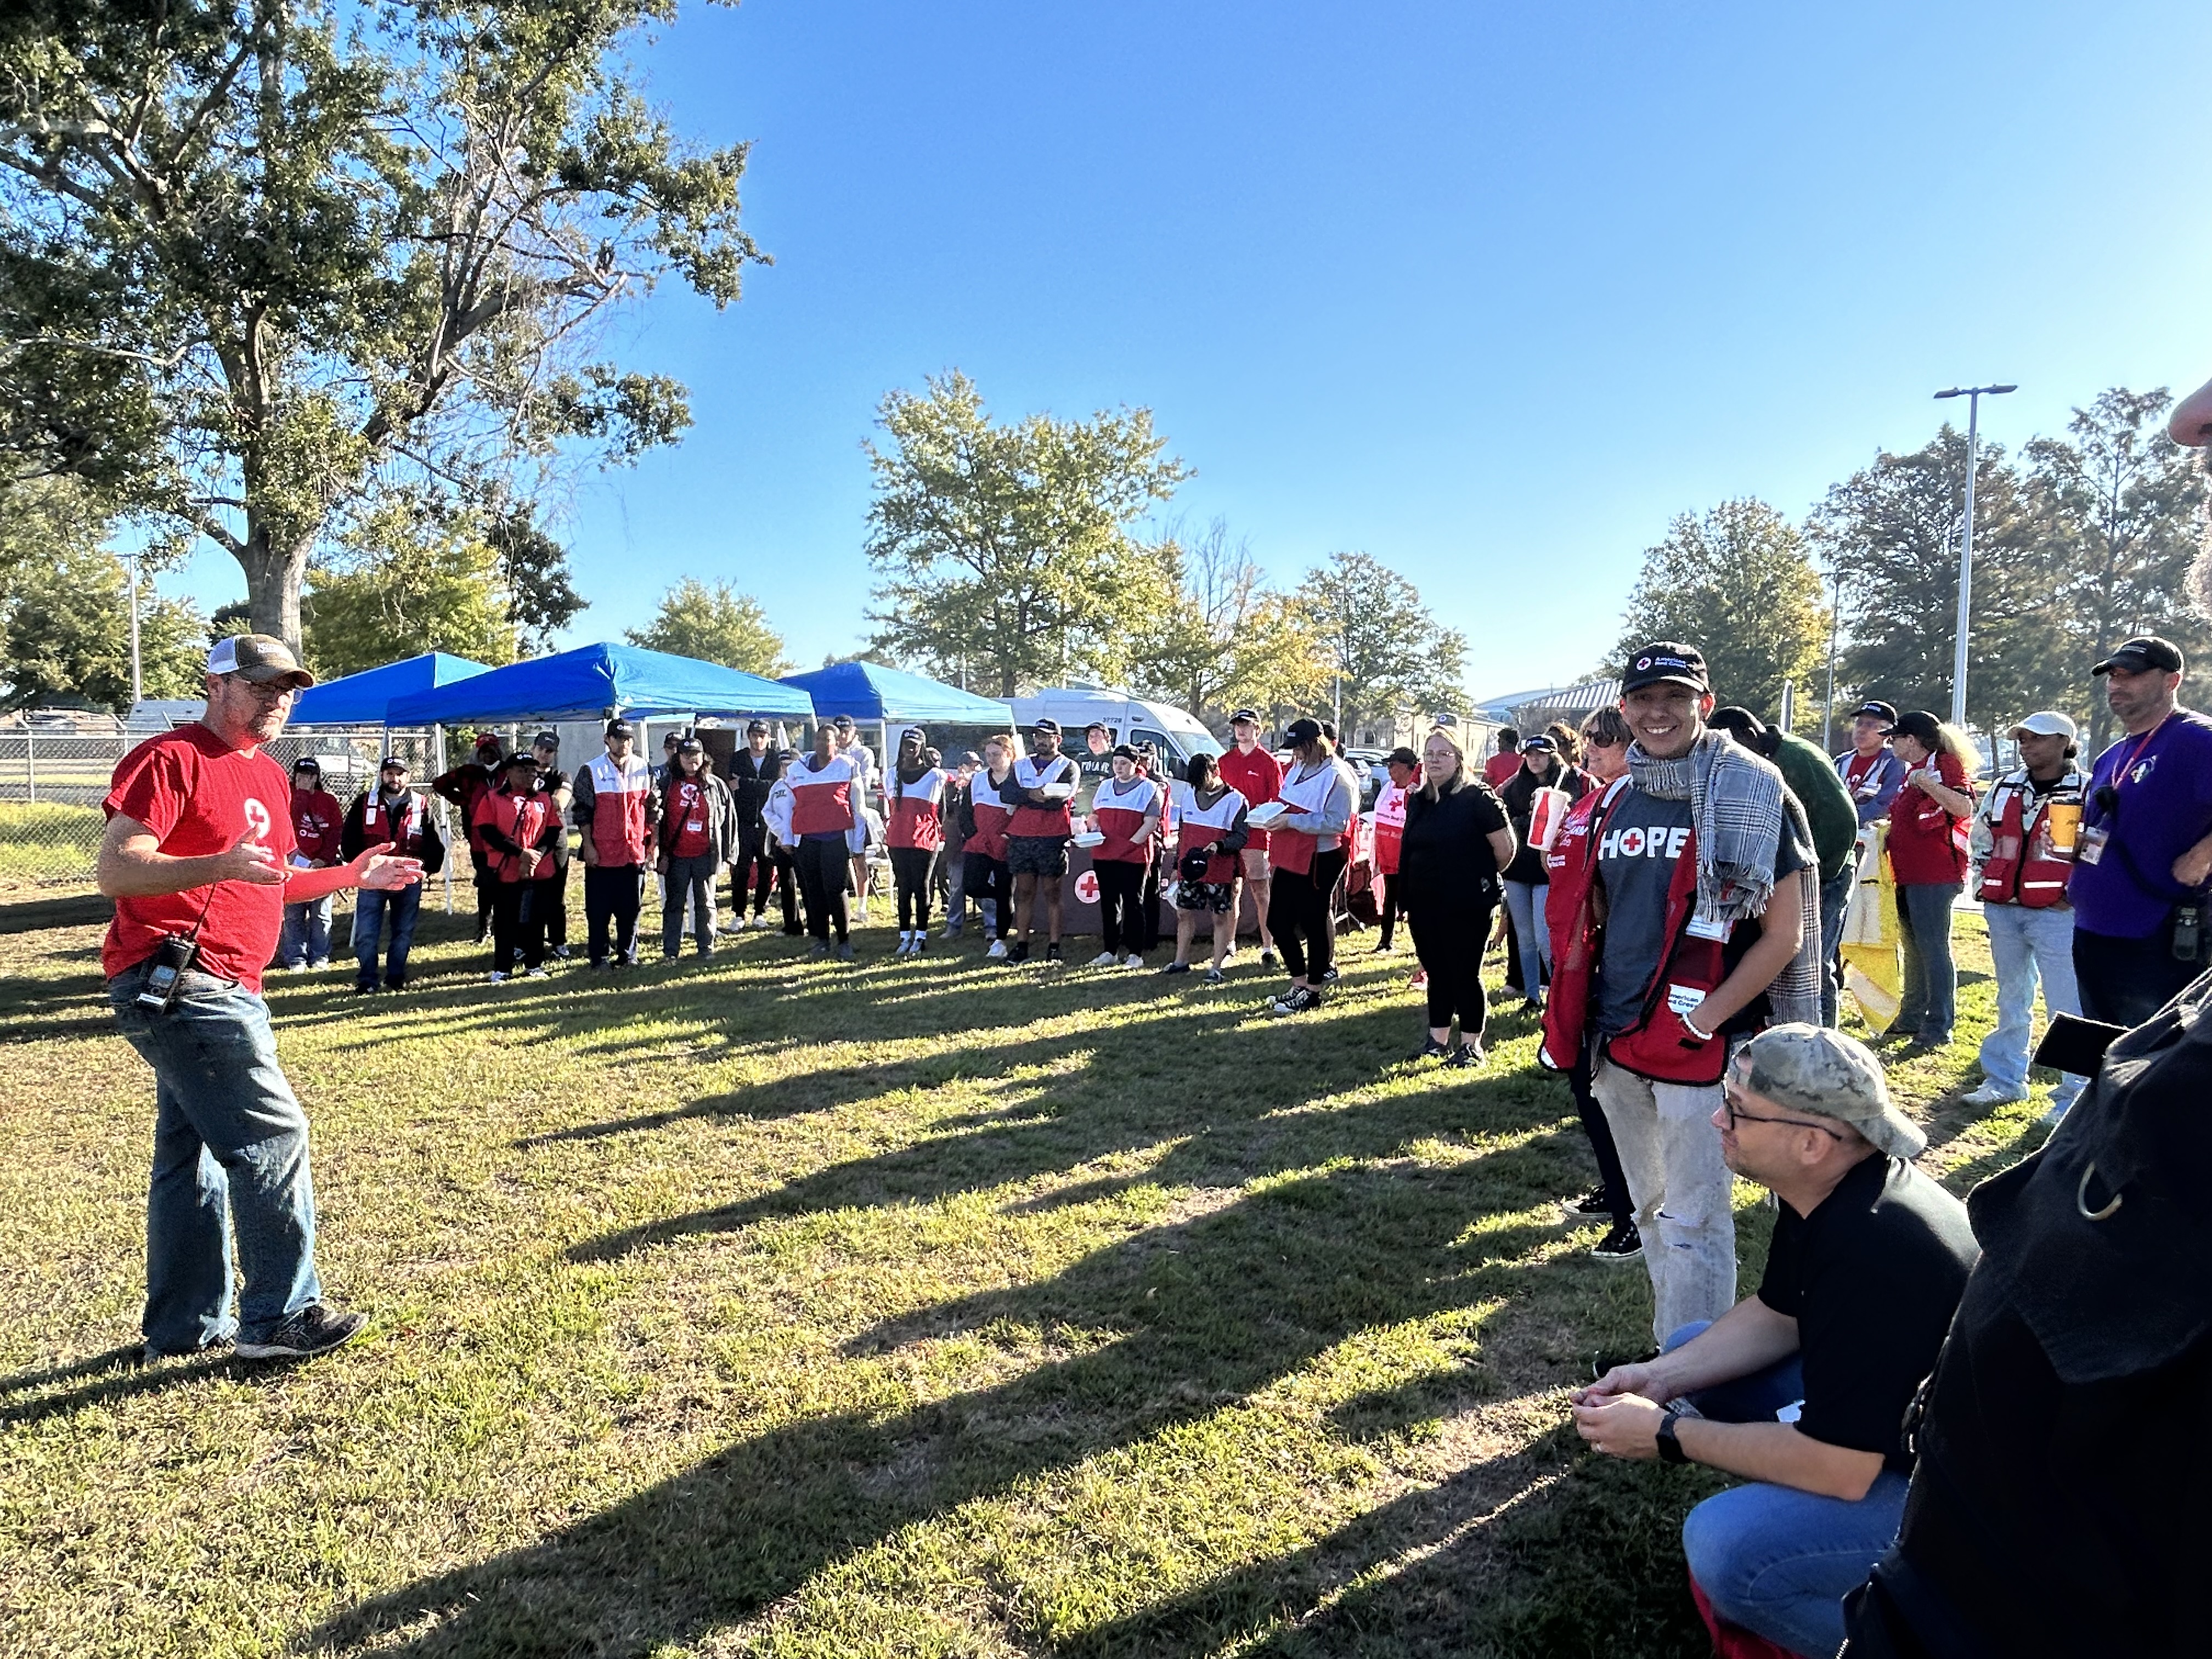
1140	735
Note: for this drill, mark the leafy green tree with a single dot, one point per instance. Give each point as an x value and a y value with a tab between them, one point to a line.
263	265
1383	654
1891	533
407	588
533	569
714	624
1227	638
1006	550
1738	583
2122	505
65	609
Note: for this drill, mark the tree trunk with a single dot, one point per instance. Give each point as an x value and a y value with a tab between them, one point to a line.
273	578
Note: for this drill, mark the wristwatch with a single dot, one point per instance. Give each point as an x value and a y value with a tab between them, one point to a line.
1670	1448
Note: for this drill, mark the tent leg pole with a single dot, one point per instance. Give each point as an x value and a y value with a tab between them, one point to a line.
438	763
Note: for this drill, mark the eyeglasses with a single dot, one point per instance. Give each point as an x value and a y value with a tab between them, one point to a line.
1736	1114
273	692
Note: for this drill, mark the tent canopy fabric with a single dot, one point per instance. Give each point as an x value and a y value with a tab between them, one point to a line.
870	691
584	683
362	699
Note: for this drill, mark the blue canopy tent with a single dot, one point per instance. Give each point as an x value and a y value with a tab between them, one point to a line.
870	691
593	680
361	699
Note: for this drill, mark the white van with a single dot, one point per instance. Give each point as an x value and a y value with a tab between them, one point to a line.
1127	718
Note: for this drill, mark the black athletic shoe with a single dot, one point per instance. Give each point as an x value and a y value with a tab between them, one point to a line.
1177	967
1052	953
1590	1206
1622	1243
314	1329
1465	1056
1018	951
1329	975
1430	1050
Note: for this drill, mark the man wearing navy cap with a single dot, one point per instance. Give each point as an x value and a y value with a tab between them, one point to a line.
2144	859
1869	768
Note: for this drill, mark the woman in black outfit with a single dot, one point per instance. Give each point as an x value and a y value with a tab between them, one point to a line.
1456	841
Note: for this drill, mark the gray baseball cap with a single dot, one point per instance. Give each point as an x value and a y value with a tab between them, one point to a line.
260	660
1824	1073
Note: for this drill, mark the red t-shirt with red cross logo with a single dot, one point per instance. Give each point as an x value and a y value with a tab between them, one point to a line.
198	798
688	802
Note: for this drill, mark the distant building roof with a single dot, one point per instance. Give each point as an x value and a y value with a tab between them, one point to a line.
1552	701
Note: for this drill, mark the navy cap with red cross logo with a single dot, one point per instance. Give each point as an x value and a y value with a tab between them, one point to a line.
1665	662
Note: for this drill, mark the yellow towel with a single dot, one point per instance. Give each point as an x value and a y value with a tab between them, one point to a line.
1871	972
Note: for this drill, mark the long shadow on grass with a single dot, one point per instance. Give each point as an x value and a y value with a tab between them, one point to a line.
1177	1323
1241	1117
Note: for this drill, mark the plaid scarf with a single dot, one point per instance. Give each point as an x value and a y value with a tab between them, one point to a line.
1738	806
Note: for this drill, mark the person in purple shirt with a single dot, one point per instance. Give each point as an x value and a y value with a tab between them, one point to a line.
1869	768
2144	856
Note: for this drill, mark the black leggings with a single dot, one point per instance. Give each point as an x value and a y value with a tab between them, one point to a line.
986	878
910	875
1450	948
1391	907
1120	895
1298	915
517	927
825	869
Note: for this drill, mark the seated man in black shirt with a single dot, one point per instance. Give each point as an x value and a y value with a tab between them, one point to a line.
1802	1388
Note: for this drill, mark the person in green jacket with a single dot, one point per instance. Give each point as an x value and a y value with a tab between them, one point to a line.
1812	778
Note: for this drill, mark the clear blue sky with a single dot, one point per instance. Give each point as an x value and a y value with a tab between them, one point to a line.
1489	291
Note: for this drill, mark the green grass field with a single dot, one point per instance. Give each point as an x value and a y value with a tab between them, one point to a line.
759	1306
41	844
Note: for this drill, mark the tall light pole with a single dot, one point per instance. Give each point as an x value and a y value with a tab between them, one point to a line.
1973	395
137	688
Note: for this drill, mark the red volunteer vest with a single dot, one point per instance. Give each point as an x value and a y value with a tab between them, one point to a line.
1199	825
402	828
2022	868
1050	822
917	812
1657	1045
1118	814
822	802
992	818
1390	828
618	798
521	818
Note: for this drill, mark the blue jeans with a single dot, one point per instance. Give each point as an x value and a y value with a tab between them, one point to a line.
307	936
1524	903
2028	946
1835	904
1929	1002
402	905
1773	1559
230	1165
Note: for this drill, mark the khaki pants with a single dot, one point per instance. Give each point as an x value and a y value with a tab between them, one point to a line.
1671	1153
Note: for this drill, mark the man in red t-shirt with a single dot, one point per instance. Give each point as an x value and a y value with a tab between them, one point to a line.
1257	776
197	857
1497	771
317	821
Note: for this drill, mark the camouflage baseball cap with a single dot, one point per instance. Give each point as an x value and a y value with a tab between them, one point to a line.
258	658
1824	1073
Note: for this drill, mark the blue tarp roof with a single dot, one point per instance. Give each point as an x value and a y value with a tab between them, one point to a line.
870	691
584	683
361	699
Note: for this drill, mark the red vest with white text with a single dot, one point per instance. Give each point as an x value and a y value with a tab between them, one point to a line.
1196	826
1053	822
990	814
1390	828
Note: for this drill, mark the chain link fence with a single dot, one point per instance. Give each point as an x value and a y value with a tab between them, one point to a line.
52	781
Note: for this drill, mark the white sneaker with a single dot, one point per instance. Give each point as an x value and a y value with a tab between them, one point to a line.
1993	1094
495	977
1133	960
538	973
997	950
1105	959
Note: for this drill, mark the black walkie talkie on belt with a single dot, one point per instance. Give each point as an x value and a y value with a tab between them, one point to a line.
176	954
